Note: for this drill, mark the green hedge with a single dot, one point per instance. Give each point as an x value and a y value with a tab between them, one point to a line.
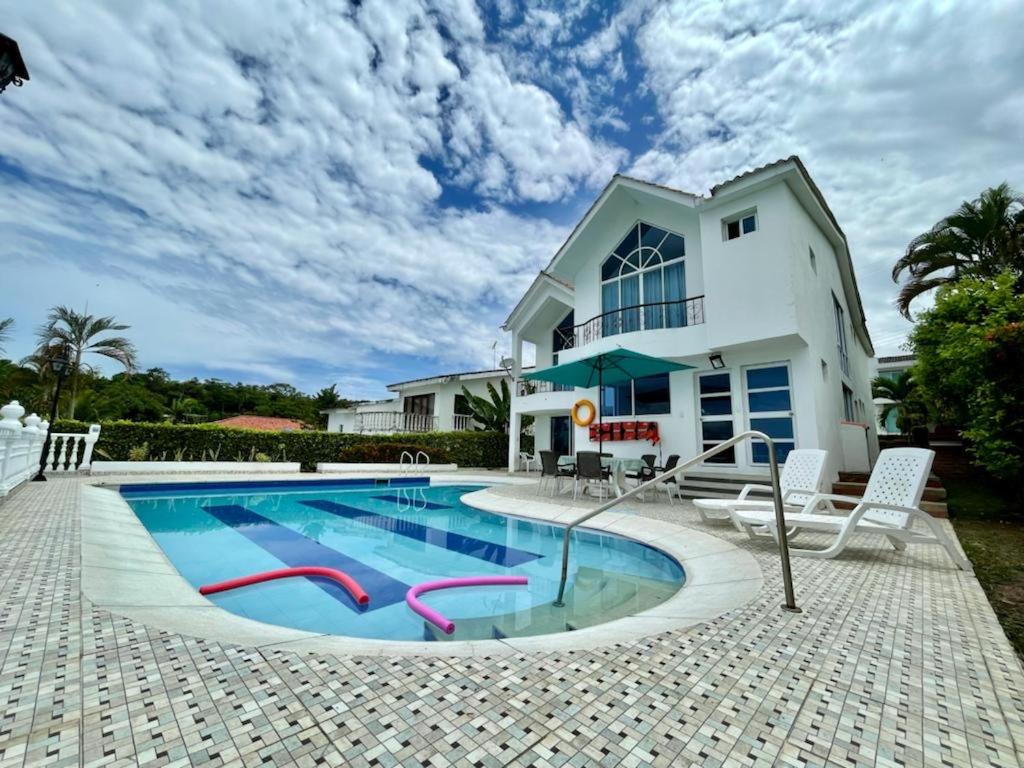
209	442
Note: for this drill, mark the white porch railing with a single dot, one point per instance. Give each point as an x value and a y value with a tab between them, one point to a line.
462	423
21	447
390	422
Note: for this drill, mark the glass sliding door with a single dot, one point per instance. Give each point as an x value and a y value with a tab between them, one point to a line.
561	435
714	391
770	409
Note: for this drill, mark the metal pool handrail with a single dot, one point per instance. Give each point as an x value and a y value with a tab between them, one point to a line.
780	521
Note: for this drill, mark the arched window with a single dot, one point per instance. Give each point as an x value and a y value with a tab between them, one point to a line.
643	282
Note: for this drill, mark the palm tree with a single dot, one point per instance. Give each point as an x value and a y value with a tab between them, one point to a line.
5	331
494	414
902	396
981	238
78	334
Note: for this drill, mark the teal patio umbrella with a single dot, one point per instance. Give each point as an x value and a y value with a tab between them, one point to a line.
615	367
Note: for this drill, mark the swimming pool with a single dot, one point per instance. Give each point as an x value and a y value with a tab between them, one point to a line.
390	536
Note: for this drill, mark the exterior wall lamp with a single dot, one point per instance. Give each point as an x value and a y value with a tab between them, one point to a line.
12	66
59	365
715	358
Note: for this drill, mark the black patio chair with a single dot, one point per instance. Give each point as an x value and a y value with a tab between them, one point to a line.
550	471
589	469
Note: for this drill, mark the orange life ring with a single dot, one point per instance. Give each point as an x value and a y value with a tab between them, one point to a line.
576	413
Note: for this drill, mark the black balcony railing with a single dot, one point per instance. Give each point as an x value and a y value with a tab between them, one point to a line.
641	317
524	387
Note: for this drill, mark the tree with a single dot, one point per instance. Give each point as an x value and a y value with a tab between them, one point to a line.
970	358
78	334
187	410
494	414
5	331
904	398
982	238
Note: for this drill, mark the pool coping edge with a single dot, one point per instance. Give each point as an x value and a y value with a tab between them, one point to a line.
143	585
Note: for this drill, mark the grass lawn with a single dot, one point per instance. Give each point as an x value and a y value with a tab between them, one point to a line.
991	528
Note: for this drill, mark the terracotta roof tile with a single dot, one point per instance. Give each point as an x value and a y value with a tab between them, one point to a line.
267	423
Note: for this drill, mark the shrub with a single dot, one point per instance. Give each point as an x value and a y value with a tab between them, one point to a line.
138	452
209	442
388	453
970	349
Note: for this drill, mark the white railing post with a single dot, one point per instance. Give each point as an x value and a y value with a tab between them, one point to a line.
34	439
10	434
90	442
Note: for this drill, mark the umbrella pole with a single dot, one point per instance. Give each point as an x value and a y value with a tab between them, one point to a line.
600	421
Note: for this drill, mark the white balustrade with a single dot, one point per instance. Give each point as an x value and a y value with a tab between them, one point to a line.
21	445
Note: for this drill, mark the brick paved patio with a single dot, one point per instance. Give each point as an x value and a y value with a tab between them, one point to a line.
897	660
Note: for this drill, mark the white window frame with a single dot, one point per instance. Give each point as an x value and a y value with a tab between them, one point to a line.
738	218
747	414
701	418
641	270
842	346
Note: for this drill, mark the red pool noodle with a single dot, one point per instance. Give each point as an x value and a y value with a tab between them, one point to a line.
435	618
357	592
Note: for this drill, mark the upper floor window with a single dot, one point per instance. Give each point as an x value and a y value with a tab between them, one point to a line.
643	282
844	355
739	225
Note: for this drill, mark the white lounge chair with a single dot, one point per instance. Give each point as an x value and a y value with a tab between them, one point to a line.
890	508
800	480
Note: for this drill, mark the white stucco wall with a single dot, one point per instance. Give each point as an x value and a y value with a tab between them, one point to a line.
764	303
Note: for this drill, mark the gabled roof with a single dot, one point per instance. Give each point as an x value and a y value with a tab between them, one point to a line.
716	192
445	378
543	277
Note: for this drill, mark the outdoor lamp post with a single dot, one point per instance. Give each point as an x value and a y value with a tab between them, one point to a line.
59	366
12	67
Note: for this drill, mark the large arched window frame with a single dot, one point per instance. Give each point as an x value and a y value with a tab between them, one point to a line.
643	281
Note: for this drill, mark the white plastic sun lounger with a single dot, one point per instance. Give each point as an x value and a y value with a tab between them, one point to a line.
890	508
800	480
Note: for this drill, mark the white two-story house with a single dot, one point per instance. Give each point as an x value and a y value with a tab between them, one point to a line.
432	404
752	285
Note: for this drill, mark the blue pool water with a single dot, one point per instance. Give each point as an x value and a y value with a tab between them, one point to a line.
390	537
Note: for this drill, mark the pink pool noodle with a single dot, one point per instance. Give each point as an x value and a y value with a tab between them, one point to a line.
350	584
447	625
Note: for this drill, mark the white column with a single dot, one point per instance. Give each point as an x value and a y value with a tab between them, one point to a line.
90	442
515	426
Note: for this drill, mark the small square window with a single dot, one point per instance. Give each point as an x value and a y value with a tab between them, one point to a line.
740	225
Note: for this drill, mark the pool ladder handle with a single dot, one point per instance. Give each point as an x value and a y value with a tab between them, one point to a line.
780	521
414	461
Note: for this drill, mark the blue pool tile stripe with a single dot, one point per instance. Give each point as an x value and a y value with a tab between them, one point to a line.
346	483
295	550
415	503
489	551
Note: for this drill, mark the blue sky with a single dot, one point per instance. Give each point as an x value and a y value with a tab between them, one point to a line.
358	193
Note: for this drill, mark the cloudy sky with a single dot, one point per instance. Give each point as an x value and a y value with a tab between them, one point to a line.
358	193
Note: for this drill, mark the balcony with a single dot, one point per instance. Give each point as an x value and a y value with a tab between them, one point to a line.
524	388
391	422
462	423
657	315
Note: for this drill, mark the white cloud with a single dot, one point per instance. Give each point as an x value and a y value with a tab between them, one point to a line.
900	111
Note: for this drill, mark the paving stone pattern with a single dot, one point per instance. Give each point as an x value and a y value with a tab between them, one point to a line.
897	660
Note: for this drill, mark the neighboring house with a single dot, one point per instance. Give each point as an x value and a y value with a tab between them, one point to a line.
752	285
890	367
267	423
433	404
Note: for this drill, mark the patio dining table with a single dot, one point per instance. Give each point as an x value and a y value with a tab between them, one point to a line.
618	465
